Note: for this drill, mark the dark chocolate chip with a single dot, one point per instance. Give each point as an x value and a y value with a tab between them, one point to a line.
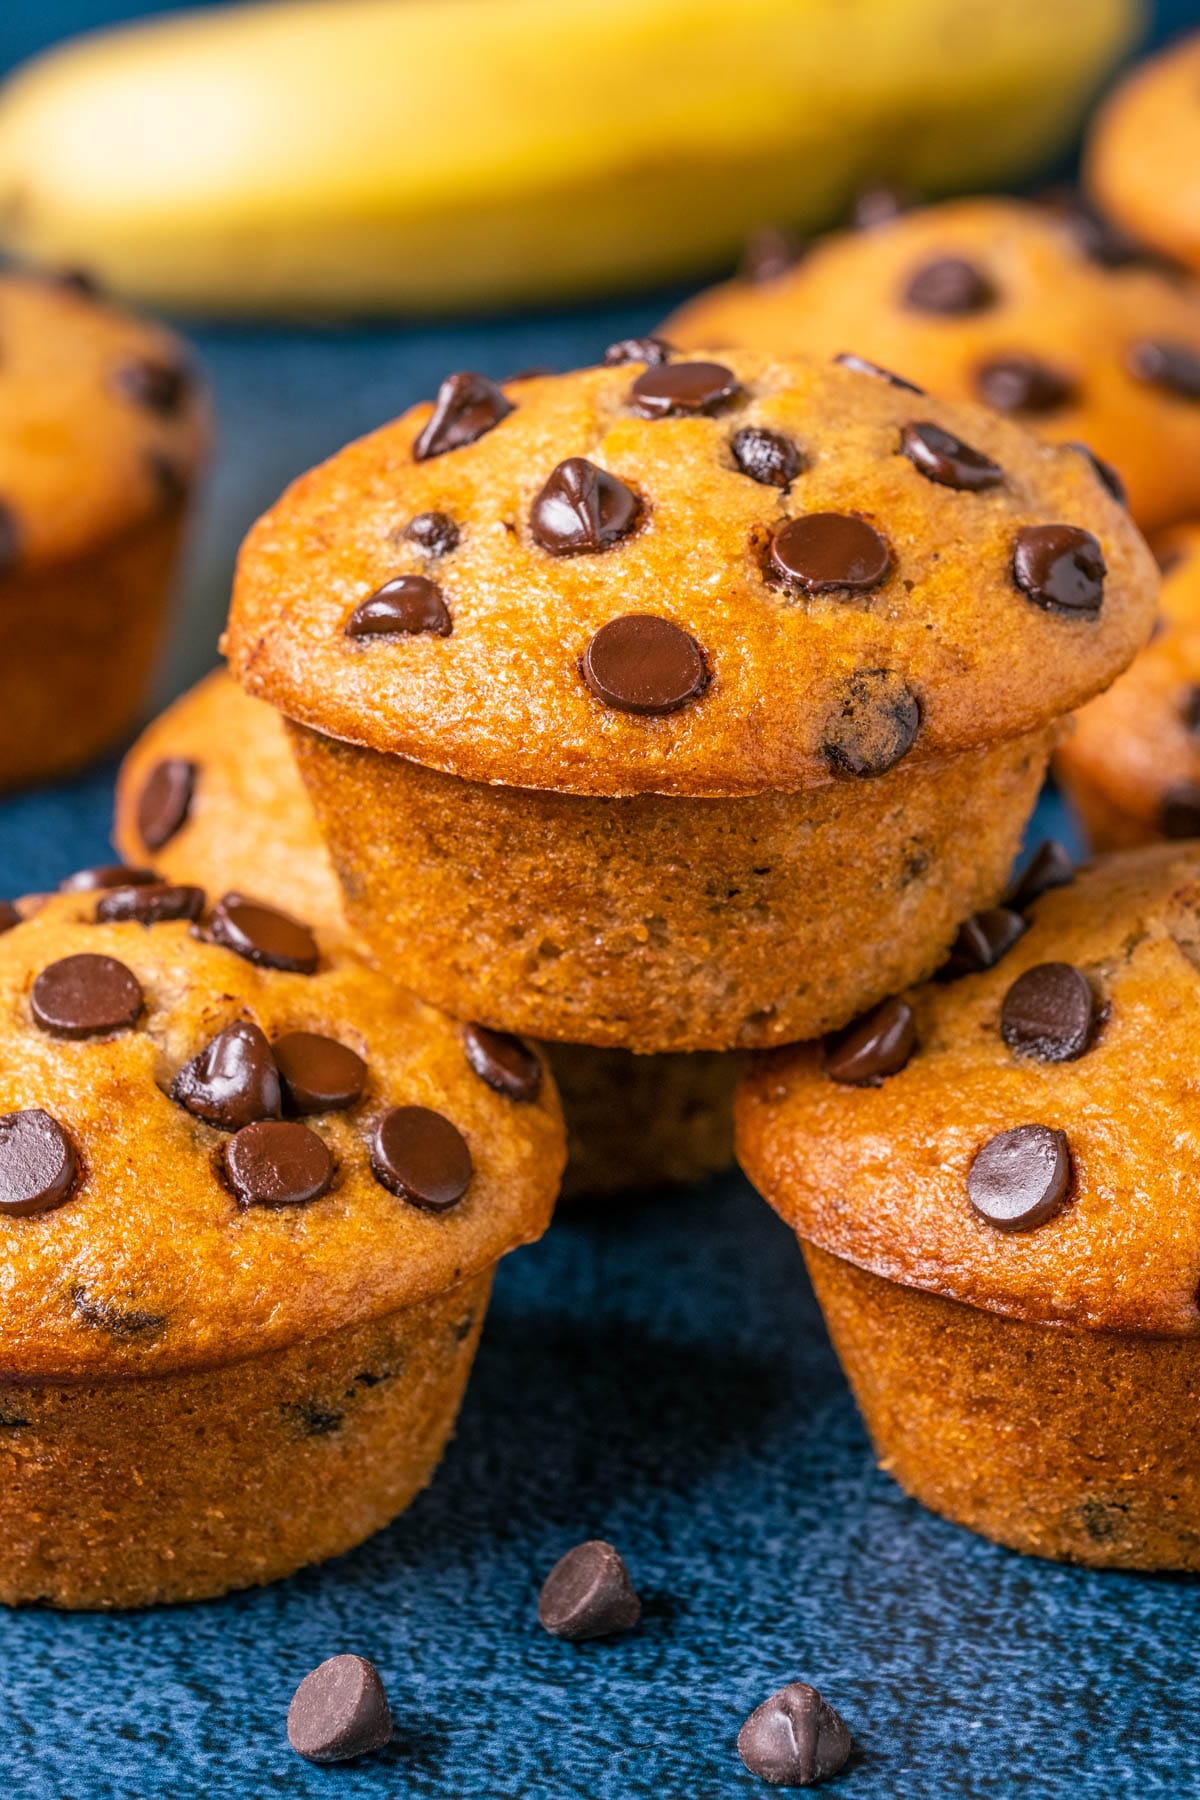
233	1081
1022	384
1049	1013
159	905
879	205
1021	1178
1098	238
409	605
1189	710
645	664
165	801
651	350
873	1047
875	725
1173	367
824	552
467	406
674	389
312	1418
944	458
1107	475
795	1738
1060	568
339	1711
766	456
86	996
263	935
588	1594
75	281
117	1321
161	387
505	1062
1050	866
10	539
108	875
419	1155
582	508
770	252
169	476
434	532
950	286
275	1162
861	366
981	942
38	1166
9	916
1180	811
318	1074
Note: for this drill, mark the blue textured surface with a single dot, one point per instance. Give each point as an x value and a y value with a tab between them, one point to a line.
655	1373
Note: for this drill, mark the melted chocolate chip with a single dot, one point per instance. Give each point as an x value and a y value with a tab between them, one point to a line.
875	1046
1175	368
233	1081
9	916
161	387
588	1594
795	1738
1022	384
1179	815
652	350
824	552
434	532
981	942
1049	1013
860	365
264	936
10	539
770	252
1050	866
165	801
504	1062
121	1322
38	1165
676	389
86	996
339	1711
1021	1178
1060	569
108	875
318	1074
467	406
275	1162
582	508
1105	473
158	905
766	456
405	607
419	1155
949	286
875	726
644	664
944	458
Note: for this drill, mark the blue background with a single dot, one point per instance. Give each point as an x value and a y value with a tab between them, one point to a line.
655	1373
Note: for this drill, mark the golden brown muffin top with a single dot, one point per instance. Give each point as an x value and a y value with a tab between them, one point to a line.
185	1180
1040	311
1081	1041
102	421
689	577
1143	155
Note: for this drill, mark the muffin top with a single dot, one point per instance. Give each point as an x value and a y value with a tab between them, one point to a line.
102	421
683	575
1025	1138
1040	311
218	1136
1143	156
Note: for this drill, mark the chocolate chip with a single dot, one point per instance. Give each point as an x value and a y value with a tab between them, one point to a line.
318	1073
981	942
9	916
420	1155
169	477
766	456
644	664
824	552
950	286
404	607
275	1162
10	539
38	1166
339	1711
1022	384
108	875
1050	866
467	406
874	727
674	389
118	1321
581	507
233	1081
1189	710
795	1738
264	936
770	252
86	996
588	1594
879	205
1096	237
505	1062
1106	474
159	905
161	387
1049	1013
165	801
74	281
652	350
1173	367
944	458
860	365
1180	811
434	532
877	1045
1060	568
1021	1178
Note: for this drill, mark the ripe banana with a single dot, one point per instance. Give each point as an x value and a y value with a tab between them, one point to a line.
333	156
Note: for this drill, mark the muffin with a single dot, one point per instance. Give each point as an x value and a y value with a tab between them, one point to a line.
1142	160
993	1182
1130	765
681	705
252	1197
210	794
103	427
1041	312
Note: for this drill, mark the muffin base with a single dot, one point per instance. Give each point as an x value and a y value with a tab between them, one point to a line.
654	922
1076	1445
181	1487
636	1122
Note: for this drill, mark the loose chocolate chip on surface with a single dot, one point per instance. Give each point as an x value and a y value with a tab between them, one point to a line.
318	1073
1107	475
9	916
683	388
276	1162
1049	1013
434	532
1173	367
165	801
770	252
944	458
339	1711
1180	811
158	905
822	552
861	366
1022	384
1021	1178
795	1738
1060	568
877	1045
10	539
264	936
652	350
419	1155
86	996
233	1081
875	725
981	942
642	663
161	387
409	605
1050	866
467	406
505	1062
38	1165
588	1594
581	507
766	456
950	286
108	875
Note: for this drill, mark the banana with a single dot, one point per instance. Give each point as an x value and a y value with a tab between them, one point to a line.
377	156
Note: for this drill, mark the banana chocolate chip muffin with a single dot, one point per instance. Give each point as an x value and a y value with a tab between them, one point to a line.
251	1199
993	1181
103	426
1043	312
1142	160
